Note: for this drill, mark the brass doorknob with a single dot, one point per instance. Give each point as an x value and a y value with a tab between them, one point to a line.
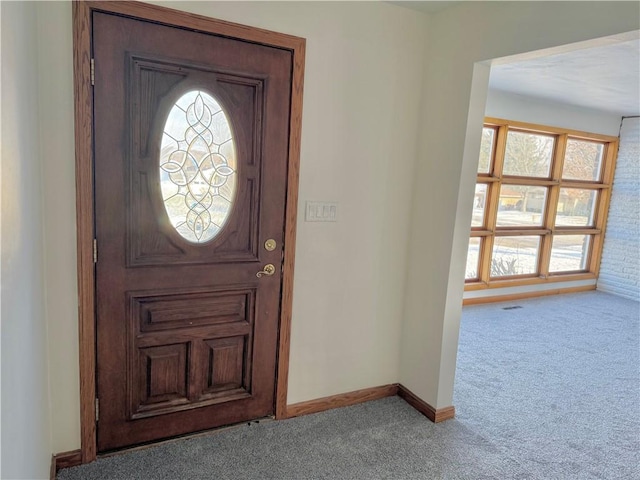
268	270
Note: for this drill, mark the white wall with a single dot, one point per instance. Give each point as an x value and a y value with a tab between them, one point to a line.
620	266
55	84
26	427
522	108
445	176
359	145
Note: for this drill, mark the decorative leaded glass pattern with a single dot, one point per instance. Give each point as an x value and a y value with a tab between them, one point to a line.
197	167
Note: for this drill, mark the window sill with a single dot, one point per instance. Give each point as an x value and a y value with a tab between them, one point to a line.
502	283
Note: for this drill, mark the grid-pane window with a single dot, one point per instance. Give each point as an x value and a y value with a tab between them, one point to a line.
473	256
486	149
521	206
540	204
479	203
528	154
576	207
582	160
569	253
515	255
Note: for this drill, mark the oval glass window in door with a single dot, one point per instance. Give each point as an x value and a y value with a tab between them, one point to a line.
198	172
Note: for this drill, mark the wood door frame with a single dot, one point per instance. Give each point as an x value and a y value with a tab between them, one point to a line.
85	215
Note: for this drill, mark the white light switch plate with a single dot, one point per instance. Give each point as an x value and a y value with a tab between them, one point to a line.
321	212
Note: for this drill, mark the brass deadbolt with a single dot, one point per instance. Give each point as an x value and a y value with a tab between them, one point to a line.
270	245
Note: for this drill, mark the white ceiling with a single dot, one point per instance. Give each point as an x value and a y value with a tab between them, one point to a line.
605	78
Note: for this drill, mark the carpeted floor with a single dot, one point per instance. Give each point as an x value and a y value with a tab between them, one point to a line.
550	390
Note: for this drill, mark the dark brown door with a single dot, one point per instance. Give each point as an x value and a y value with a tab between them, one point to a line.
191	144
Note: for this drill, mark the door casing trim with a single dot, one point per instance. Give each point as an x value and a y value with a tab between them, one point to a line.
83	110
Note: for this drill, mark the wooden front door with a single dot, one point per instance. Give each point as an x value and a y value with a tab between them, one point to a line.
191	138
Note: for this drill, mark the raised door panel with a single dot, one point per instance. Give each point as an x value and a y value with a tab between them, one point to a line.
163	376
226	364
210	364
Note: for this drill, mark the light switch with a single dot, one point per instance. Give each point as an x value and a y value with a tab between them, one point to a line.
321	212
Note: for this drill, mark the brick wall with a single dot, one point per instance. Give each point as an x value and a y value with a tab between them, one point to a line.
620	267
